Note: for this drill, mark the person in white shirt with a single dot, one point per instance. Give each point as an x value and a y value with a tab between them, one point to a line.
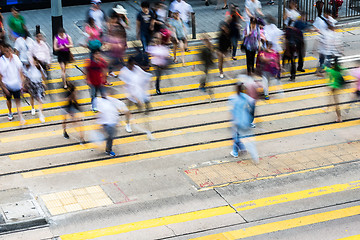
291	14
108	117
159	59
137	84
41	50
11	80
185	10
22	47
97	14
273	34
252	9
36	76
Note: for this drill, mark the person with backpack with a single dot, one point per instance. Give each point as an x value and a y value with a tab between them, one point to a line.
242	107
251	44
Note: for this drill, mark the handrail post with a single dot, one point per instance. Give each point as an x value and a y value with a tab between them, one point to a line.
193	25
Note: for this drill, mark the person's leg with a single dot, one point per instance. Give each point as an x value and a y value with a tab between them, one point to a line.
93	91
336	102
144	42
220	63
265	82
301	53
182	47
18	106
247	53
250	145
234	43
158	77
252	60
293	67
174	50
238	145
63	73
110	131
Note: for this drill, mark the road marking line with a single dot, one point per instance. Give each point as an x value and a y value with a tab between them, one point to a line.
67	149
284	225
201	214
211	212
355	237
170	152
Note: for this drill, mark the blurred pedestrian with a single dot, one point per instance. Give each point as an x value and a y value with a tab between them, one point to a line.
123	22
178	28
336	81
251	43
302	26
269	60
291	14
159	59
224	45
72	109
95	12
252	9
186	14
35	85
11	80
241	108
16	23
41	51
96	73
137	83
62	45
22	47
145	24
293	45
273	34
207	59
108	118
95	33
234	25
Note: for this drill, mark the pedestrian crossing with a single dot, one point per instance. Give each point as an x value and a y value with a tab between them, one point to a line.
186	122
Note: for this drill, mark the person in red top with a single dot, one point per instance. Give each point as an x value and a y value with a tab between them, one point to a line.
96	72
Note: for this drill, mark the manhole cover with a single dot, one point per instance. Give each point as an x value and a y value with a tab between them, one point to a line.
20	211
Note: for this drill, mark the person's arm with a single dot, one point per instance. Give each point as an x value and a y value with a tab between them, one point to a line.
152	21
56	47
138	29
71	44
3	87
248	12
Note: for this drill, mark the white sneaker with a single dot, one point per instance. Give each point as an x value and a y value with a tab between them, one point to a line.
33	111
232	153
128	128
221	75
41	117
149	135
10	116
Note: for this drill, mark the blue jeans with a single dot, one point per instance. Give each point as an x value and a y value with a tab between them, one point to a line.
234	44
93	91
145	39
239	133
110	130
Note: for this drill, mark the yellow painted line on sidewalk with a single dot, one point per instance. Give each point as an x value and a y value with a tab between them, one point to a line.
157	222
284	225
170	152
211	212
309	193
67	149
355	237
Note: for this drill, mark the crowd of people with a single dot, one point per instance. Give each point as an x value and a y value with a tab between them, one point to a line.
24	67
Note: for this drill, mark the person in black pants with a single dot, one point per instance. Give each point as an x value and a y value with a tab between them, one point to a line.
251	44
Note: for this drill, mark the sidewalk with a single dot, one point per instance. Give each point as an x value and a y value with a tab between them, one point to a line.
207	17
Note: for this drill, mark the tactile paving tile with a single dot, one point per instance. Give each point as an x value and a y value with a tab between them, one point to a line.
244	170
76	200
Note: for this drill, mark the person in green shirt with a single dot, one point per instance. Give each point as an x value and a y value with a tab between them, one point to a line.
16	24
336	81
